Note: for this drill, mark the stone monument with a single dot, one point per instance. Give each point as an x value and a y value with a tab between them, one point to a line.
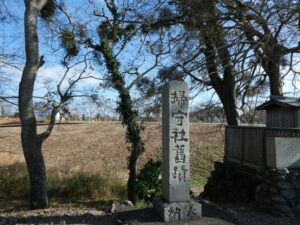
175	203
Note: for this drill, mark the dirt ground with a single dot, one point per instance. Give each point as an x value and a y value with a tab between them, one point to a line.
128	215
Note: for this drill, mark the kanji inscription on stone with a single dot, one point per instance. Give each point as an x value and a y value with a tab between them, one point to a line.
175	122
175	203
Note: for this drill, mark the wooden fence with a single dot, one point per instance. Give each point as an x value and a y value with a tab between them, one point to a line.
247	145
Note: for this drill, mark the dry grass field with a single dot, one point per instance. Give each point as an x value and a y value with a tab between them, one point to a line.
100	150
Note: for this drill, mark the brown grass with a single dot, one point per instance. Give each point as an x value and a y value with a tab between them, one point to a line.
100	148
6	121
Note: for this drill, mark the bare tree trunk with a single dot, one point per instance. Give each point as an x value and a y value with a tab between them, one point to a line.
36	168
228	96
229	104
271	65
275	84
216	51
225	88
131	183
31	142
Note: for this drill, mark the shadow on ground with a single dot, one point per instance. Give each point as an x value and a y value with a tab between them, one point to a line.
211	216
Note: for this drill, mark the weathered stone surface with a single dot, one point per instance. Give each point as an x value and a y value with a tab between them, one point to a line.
284	185
270	172
283	171
279	178
291	179
175	204
184	210
282	196
294	173
288	194
283	152
120	206
175	125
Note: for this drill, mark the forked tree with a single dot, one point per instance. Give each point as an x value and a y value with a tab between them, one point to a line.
31	141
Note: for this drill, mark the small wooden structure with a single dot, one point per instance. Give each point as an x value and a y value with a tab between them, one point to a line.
246	145
282	112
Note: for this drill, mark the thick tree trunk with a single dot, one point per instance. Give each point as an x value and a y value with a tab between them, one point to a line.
229	104
36	168
217	51
271	65
31	142
275	86
228	96
225	88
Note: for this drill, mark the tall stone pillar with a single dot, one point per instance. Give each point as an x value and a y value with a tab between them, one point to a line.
175	203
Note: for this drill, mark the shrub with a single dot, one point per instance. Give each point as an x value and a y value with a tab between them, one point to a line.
149	181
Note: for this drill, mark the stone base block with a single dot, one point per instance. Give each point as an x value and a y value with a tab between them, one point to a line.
175	211
283	152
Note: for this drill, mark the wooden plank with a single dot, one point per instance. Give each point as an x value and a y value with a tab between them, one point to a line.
254	146
298	118
233	145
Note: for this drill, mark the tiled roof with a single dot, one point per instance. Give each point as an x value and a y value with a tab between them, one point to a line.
286	102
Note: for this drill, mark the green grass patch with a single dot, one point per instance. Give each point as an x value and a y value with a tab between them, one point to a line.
76	186
82	186
14	184
142	204
202	164
198	181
